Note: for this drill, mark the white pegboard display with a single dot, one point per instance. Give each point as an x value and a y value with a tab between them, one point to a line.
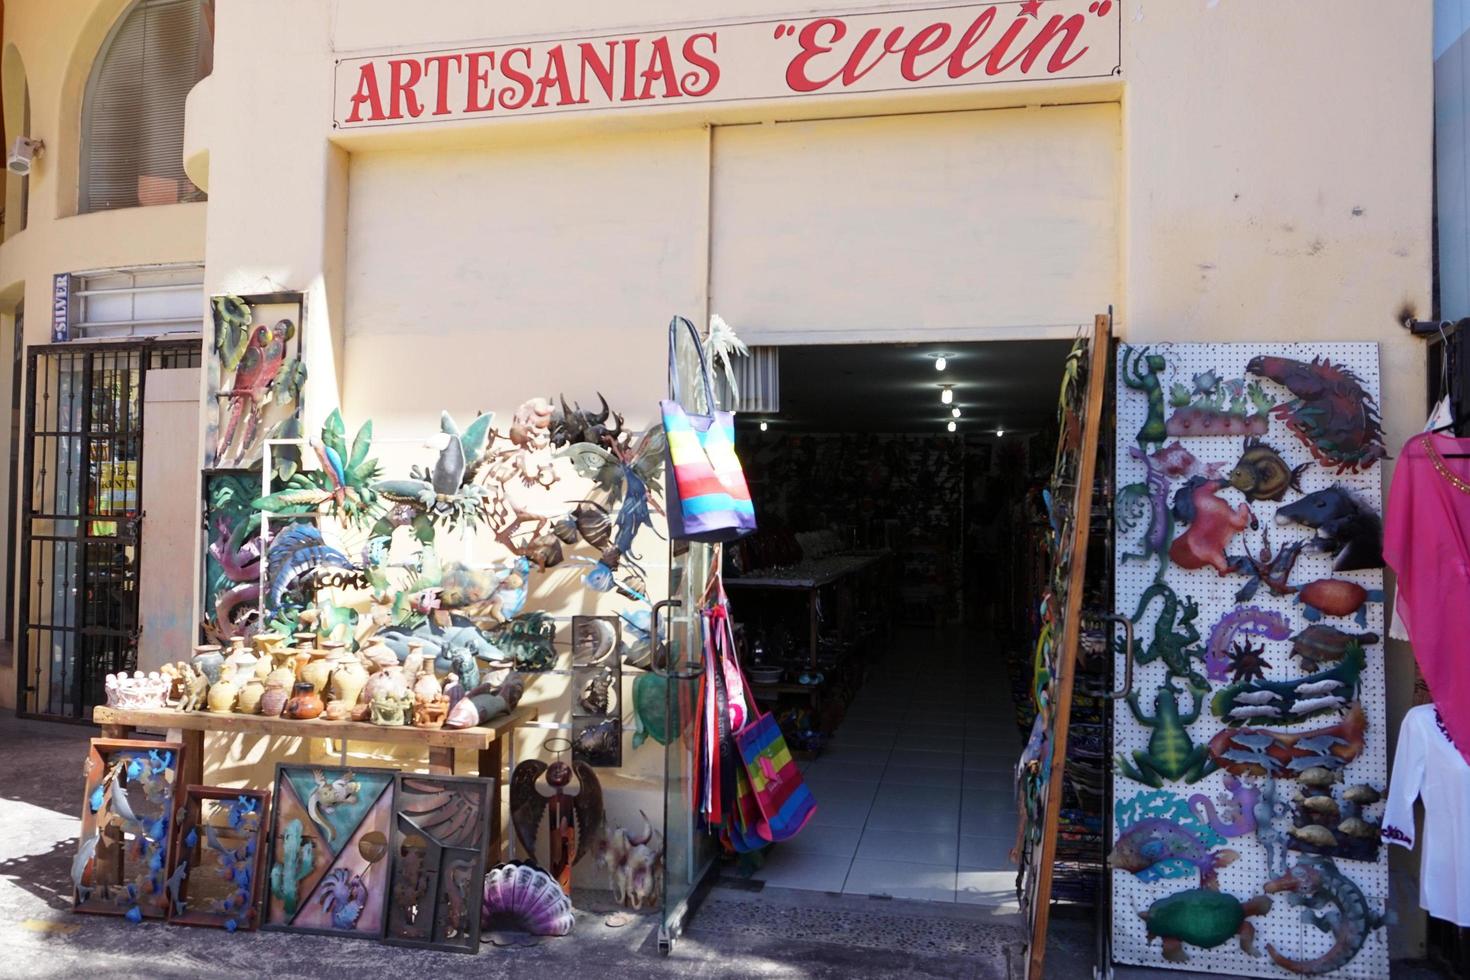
1211	375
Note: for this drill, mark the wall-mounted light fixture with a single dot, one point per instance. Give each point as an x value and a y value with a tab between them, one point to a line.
952	425
765	425
955	411
1000	433
941	361
946	394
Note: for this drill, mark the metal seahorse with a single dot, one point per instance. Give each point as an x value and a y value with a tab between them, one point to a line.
1173	635
1332	903
1242	799
1250	620
1141	372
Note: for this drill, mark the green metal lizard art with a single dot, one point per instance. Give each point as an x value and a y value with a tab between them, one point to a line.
1141	372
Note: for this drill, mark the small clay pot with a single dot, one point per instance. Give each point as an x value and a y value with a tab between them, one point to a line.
252	692
305	702
208	659
273	702
338	711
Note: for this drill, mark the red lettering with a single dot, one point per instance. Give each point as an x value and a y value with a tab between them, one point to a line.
693	83
993	63
926	40
555	75
602	69
441	63
519	76
853	71
973	33
797	78
630	69
404	74
367	92
479	81
660	68
1071	27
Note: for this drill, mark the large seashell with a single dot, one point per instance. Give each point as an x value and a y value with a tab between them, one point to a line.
522	896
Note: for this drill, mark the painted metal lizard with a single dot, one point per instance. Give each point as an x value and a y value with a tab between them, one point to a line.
1242	799
1333	904
1174	634
1141	372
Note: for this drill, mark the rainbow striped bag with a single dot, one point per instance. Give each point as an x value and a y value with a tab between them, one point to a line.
708	500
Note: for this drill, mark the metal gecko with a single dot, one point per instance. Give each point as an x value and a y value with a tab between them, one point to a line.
1151	497
1247	620
1174	634
1140	371
1330	902
1242	799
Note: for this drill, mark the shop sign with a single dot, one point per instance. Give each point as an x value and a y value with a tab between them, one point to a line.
747	61
60	307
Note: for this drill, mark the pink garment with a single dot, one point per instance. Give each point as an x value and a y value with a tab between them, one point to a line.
1427	544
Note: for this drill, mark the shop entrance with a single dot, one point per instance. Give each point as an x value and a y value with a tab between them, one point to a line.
81	519
888	607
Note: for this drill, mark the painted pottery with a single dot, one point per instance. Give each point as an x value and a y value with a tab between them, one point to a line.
277	693
390	681
250	696
463	714
208	658
305	702
222	693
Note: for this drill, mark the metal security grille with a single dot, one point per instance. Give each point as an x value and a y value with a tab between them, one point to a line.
80	519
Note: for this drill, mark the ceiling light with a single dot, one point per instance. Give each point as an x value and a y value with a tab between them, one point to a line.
946	394
955	412
952	425
765	425
941	362
1000	433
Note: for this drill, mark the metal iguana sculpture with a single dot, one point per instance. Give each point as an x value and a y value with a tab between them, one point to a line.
1141	372
1332	903
1332	414
1174	634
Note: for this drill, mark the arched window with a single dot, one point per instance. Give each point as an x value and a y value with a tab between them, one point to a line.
133	109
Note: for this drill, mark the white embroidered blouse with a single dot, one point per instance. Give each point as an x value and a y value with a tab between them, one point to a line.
1427	766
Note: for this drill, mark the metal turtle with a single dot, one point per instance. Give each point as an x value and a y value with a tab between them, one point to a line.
1203	917
1321	644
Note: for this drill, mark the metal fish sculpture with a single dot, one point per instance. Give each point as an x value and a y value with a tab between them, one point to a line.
1290	755
1154	840
1261	473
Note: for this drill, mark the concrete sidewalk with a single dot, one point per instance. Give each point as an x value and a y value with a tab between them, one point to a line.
739	932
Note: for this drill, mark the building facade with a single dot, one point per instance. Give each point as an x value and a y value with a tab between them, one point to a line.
484	202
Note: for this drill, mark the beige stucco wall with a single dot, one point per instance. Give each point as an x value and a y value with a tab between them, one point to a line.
53	46
1271	166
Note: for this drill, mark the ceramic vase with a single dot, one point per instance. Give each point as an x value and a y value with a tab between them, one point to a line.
222	693
272	647
277	693
426	686
250	696
241	659
208	659
305	644
318	671
348	680
377	655
305	702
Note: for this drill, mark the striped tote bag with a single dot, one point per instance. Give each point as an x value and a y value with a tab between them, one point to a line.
708	500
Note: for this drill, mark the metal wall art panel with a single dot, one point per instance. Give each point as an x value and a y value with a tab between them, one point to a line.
1250	758
329	851
127	810
440	832
218	857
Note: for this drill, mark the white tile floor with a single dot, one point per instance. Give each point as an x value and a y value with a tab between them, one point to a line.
914	795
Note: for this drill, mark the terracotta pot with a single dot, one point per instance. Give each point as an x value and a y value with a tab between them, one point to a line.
208	659
305	702
426	686
338	711
273	702
251	693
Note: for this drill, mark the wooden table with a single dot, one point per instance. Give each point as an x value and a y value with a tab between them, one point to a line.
189	727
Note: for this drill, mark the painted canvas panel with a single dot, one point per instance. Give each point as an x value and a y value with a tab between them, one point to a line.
440	831
329	850
255	377
120	867
218	857
1250	755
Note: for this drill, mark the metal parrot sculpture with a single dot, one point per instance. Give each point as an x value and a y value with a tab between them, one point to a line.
262	375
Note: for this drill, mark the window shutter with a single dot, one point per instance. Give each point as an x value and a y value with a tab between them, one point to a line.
133	119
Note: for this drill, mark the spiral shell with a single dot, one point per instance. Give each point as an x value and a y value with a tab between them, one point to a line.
523	896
